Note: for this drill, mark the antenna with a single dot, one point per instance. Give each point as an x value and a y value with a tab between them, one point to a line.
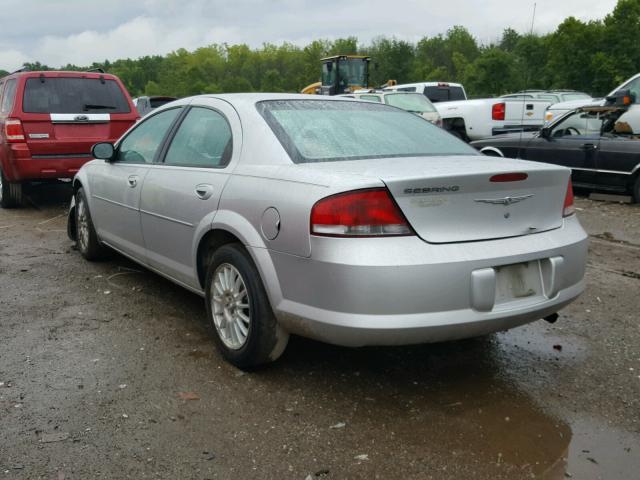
526	81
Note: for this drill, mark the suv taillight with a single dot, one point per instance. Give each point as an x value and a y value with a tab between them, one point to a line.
568	208
498	111
13	131
360	213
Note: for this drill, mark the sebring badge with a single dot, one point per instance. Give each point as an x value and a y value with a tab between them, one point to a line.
506	201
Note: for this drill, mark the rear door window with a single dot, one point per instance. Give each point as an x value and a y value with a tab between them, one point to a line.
73	95
143	142
203	140
444	94
371	98
9	96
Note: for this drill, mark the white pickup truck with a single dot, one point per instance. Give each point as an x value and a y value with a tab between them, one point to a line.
481	118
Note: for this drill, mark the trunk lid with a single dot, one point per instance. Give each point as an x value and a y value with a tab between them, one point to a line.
451	199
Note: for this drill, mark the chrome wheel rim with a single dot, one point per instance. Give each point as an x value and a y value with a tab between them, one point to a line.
82	225
230	306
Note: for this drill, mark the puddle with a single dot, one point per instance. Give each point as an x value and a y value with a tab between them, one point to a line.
602	452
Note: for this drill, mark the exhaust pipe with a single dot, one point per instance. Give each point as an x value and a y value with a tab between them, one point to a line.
553	318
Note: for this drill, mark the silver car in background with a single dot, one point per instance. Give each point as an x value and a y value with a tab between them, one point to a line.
350	222
411	102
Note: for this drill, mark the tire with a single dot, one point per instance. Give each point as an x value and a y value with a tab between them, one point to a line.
460	134
10	192
245	329
636	190
86	239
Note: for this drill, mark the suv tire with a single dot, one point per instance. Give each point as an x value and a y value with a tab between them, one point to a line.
10	192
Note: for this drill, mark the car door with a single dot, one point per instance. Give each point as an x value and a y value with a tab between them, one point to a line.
181	193
617	160
115	185
572	142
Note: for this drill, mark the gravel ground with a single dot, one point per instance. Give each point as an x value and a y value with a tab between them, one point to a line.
108	371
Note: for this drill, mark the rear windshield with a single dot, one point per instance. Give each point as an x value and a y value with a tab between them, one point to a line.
73	95
324	131
411	102
444	94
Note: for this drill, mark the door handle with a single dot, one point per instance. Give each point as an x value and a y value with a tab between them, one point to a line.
204	191
132	180
589	146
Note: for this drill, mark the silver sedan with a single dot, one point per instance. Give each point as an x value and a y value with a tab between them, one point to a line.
349	222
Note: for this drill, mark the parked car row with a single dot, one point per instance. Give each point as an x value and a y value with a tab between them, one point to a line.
599	142
292	215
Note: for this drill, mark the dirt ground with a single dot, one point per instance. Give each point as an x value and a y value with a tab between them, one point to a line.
108	371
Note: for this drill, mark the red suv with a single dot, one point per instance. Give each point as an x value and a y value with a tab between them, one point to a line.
50	120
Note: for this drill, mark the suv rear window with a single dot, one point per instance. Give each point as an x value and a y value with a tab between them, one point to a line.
73	95
444	94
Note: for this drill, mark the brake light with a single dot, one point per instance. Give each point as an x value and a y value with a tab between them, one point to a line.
509	177
498	111
13	131
361	213
568	208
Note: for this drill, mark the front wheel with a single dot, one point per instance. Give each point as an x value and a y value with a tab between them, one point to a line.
10	192
86	238
245	328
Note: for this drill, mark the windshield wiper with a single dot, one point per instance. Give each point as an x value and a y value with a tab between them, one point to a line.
91	106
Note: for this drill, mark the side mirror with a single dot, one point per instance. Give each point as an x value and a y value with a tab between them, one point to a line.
103	151
545	132
621	98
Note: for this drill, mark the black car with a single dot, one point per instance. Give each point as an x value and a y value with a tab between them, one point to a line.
596	142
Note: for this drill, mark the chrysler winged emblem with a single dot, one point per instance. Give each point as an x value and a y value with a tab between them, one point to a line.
506	201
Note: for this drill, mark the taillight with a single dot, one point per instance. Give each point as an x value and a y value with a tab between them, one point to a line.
568	208
498	111
509	177
13	131
361	213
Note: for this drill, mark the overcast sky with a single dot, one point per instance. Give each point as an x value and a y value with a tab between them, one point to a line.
57	32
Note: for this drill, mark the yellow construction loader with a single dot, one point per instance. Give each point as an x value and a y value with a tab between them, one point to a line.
342	74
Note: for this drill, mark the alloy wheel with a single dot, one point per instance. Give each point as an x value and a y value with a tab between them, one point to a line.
230	306
82	225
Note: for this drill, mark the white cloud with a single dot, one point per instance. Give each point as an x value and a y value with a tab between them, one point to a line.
81	32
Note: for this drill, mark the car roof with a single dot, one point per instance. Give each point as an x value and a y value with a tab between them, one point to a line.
245	102
427	84
59	73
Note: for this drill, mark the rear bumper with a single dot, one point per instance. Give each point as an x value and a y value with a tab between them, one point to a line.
406	291
22	166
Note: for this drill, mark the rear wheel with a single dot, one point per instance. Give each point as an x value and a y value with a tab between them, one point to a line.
245	328
10	192
86	238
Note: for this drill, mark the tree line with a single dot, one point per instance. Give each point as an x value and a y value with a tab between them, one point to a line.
589	56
